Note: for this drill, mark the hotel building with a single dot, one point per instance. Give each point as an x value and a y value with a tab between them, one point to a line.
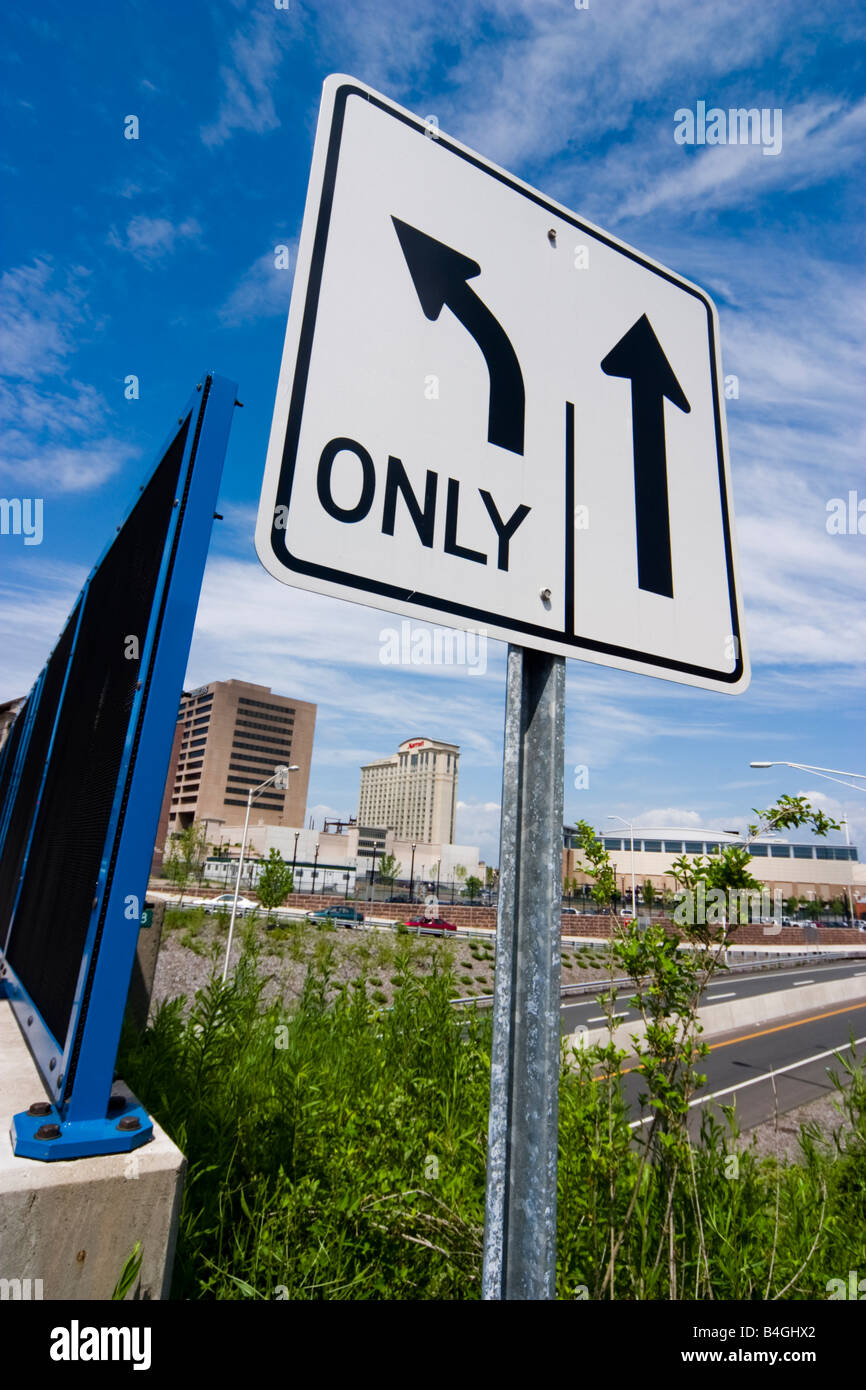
413	793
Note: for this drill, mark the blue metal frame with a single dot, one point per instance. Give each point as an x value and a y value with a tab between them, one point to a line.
84	1117
15	778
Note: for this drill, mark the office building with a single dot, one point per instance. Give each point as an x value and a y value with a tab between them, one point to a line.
413	793
233	736
8	711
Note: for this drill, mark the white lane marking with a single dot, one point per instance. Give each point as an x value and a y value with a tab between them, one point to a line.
803	982
602	1018
754	1080
757	978
731	995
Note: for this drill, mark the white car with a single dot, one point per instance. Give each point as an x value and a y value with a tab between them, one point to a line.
224	904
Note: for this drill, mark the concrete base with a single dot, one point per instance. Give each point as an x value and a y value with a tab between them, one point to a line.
72	1225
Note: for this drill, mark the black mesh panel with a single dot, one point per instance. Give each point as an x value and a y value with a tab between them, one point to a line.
24	807
8	754
53	914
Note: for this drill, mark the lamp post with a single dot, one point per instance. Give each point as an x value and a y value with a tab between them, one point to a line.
295	854
848	886
280	780
315	870
412	876
832	774
631	832
372	876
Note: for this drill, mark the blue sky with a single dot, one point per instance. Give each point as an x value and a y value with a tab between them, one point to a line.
154	257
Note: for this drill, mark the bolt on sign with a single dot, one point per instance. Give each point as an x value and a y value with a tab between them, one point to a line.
493	414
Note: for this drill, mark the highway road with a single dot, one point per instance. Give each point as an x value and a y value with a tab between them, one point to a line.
725	987
770	1068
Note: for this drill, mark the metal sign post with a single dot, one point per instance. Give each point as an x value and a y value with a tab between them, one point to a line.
520	1224
434	476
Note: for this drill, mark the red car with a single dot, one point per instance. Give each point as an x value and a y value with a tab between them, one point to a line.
432	924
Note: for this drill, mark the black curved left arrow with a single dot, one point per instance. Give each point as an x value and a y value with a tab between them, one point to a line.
439	275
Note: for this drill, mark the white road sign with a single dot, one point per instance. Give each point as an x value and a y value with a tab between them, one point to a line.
493	415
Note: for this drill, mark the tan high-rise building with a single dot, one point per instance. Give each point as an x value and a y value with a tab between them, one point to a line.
414	792
8	711
234	735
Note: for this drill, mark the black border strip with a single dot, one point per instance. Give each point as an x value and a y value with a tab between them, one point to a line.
279	548
569	519
80	1022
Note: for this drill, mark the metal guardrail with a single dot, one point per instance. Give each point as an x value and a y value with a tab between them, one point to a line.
741	968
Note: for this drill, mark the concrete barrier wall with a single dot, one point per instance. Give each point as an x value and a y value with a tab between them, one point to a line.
753	1011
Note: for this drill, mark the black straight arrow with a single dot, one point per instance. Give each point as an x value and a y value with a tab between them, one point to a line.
638	356
439	275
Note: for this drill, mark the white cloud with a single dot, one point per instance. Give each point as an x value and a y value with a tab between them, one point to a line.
477	823
55	439
36	596
50	470
263	290
150	239
38	319
247	103
817	136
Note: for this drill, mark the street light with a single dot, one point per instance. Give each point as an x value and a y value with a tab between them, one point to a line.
412	876
280	781
833	774
372	873
631	832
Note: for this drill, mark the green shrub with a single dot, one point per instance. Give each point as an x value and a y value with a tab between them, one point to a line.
308	1137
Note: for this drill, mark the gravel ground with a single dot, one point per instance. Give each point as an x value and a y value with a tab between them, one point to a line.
188	953
780	1138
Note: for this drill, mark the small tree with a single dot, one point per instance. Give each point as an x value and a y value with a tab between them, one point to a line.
276	882
186	856
389	869
473	886
489	876
649	894
598	866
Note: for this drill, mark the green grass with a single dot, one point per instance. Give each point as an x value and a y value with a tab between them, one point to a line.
309	1138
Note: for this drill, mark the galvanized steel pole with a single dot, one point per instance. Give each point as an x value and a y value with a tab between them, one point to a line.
520	1222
